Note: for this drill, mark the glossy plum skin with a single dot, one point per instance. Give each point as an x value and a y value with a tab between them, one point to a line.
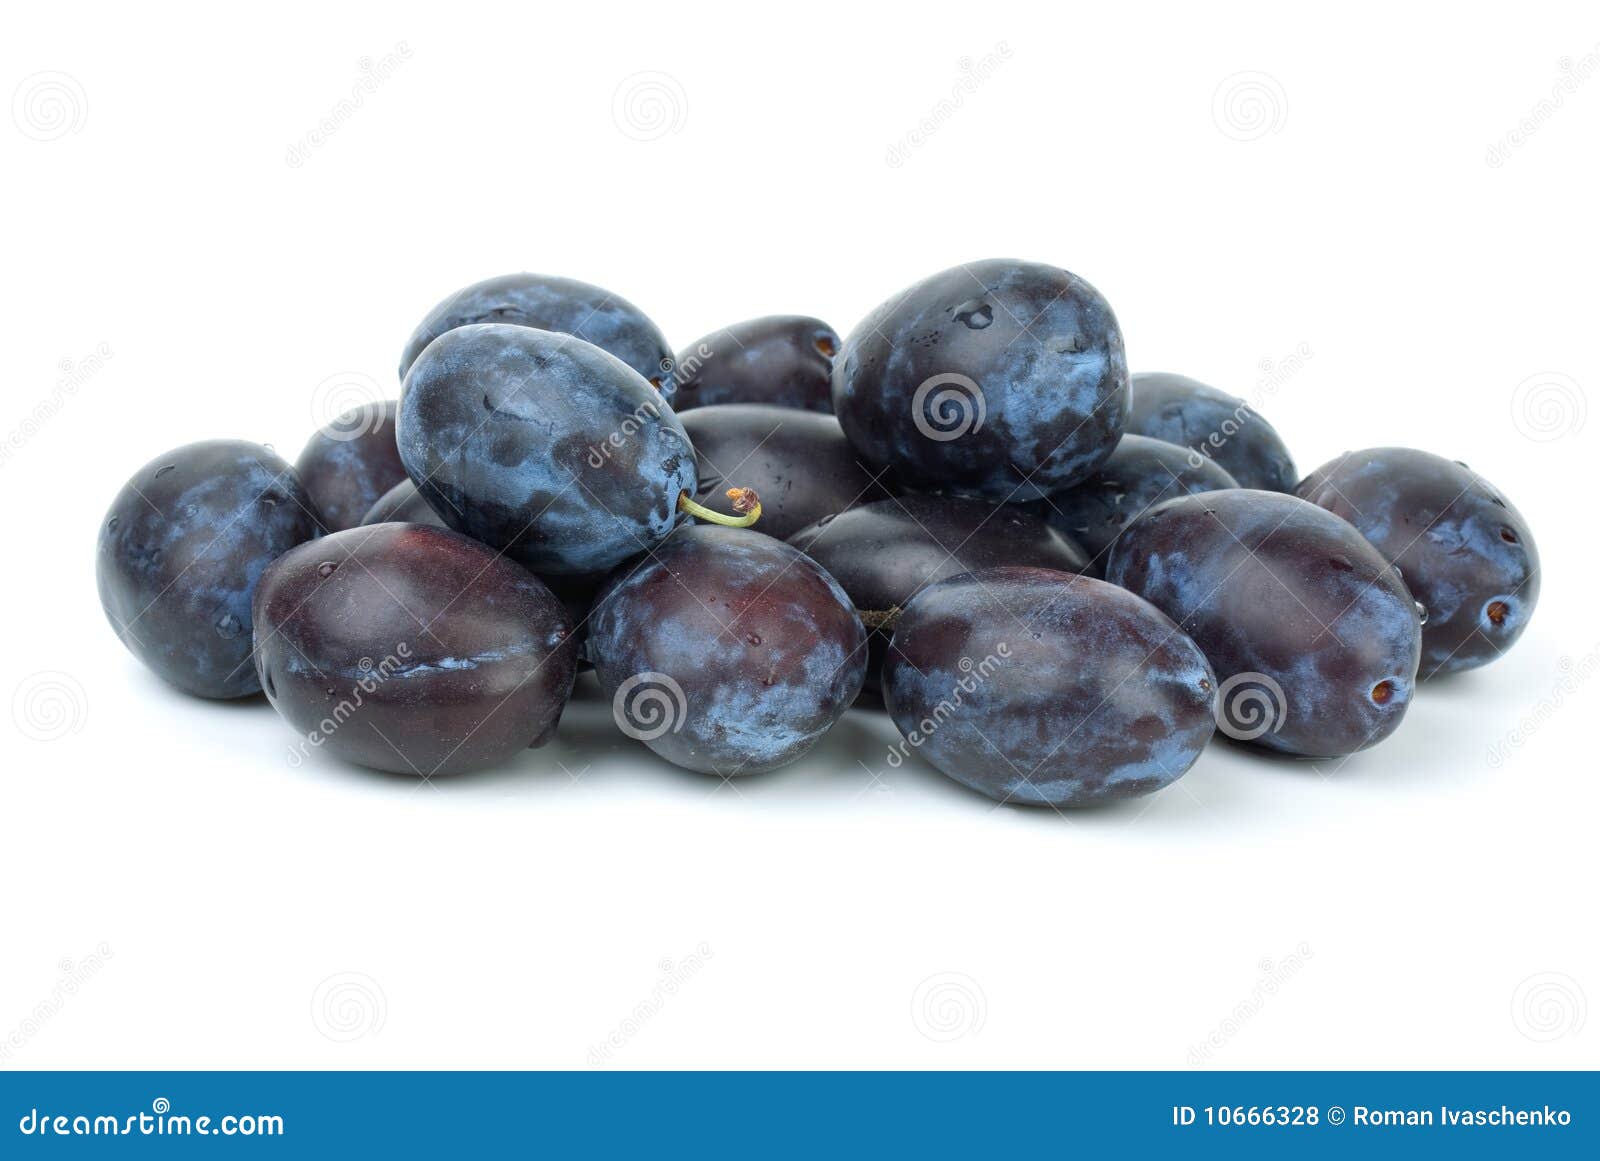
1215	425
1139	474
883	553
181	550
1466	554
725	651
799	463
348	464
1275	588
563	305
403	504
543	446
412	649
1047	689
1000	378
785	360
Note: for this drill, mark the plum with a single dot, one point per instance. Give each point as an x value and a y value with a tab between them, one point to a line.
1040	687
1000	378
543	446
181	551
1313	635
349	463
1140	474
784	359
1214	425
1466	554
726	651
799	463
412	649
882	553
563	305
403	504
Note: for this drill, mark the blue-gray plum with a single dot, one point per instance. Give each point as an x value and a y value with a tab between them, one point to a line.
543	446
181	550
1040	687
1140	474
1466	554
412	649
349	463
403	504
549	303
1214	425
726	651
1314	637
783	359
999	378
883	553
798	462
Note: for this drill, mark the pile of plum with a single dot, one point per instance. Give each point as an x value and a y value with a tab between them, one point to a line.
1061	582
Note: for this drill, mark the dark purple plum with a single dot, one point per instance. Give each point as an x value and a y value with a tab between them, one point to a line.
1000	378
1140	474
883	553
1466	554
799	463
1213	425
181	550
543	446
726	651
1313	635
785	360
403	504
412	649
1047	689
548	303
349	463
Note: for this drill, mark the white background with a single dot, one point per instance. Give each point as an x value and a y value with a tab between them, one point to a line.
1419	905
